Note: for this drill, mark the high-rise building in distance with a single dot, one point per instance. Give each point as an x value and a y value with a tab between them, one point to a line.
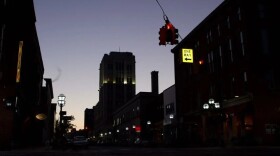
116	83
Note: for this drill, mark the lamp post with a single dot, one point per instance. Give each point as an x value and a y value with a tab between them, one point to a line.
61	103
149	131
211	107
172	133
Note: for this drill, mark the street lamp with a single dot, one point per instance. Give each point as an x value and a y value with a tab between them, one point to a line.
211	104
61	103
213	111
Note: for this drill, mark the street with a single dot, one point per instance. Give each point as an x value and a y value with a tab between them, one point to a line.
146	151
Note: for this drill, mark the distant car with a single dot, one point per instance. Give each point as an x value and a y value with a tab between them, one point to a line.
80	142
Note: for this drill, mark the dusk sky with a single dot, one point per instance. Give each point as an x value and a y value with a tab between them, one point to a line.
75	34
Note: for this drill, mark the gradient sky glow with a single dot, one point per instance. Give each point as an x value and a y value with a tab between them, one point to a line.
75	34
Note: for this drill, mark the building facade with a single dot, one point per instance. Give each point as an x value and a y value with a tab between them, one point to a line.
229	61
140	119
169	116
116	86
89	119
21	77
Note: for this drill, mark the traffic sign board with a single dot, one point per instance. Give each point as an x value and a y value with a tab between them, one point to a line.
187	56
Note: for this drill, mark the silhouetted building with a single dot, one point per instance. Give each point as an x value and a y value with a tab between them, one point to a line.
46	112
169	116
140	119
154	81
89	119
235	65
116	86
21	76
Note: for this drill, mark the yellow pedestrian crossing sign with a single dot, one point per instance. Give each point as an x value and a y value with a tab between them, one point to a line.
187	56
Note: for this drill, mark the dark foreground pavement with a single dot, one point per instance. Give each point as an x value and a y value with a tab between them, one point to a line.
145	151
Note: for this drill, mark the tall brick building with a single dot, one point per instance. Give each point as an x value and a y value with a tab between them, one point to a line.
235	63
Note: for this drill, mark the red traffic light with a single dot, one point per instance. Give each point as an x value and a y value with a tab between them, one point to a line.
168	34
169	26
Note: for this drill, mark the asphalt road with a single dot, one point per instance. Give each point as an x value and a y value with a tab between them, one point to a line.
145	151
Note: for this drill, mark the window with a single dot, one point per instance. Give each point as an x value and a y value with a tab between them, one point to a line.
228	22
242	43
265	43
119	66
230	49
239	14
219	30
207	38
170	108
1	40
221	56
110	67
211	61
129	68
261	10
210	36
270	128
1	46
245	76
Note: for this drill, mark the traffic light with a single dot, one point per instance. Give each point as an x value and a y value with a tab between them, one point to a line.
169	32
175	36
162	36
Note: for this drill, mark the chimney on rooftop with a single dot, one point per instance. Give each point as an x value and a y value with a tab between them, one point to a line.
154	75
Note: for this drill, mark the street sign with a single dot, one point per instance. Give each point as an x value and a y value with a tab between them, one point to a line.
62	113
67	117
187	56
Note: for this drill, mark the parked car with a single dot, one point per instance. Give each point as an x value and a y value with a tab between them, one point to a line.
80	142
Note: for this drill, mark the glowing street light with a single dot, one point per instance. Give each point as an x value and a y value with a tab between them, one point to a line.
61	103
211	104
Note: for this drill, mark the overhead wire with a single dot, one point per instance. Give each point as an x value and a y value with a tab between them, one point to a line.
165	17
164	14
